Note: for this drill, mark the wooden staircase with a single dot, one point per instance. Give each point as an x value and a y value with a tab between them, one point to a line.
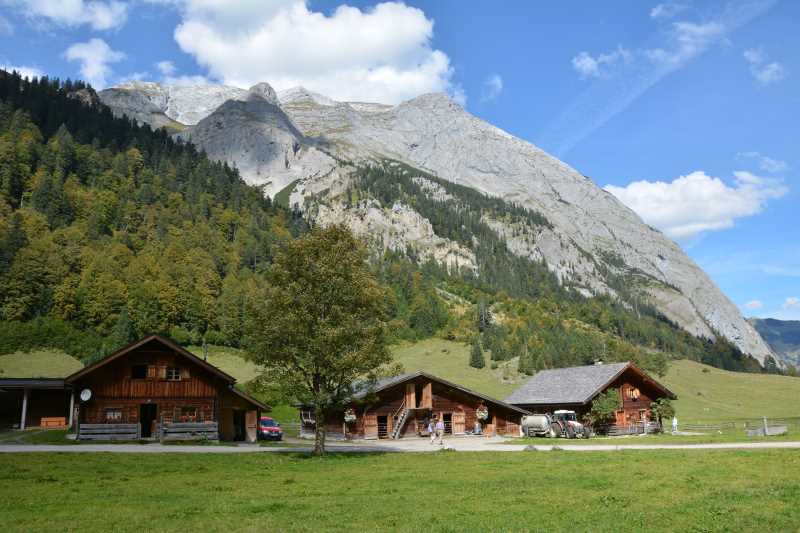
400	419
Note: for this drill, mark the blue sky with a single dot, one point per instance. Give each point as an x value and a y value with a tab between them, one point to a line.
687	111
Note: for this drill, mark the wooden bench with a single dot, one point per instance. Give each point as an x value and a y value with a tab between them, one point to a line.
190	431
108	432
53	422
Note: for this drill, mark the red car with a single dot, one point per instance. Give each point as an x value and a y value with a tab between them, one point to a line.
269	429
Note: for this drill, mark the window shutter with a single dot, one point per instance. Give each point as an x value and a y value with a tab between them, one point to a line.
184	373
162	372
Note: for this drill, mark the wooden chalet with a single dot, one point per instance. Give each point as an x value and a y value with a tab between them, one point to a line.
574	389
400	407
154	388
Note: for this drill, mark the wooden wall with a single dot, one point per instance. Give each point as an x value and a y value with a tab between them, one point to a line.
438	397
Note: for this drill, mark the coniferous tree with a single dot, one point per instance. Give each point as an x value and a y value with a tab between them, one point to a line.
476	359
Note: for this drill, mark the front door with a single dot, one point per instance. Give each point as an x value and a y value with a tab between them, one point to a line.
148	414
370	426
459	423
239	430
252	420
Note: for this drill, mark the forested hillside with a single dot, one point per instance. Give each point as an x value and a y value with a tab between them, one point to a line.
109	230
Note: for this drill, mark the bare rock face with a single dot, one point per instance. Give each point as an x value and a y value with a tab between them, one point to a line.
276	140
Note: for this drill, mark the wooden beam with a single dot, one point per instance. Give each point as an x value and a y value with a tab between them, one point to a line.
71	408
24	408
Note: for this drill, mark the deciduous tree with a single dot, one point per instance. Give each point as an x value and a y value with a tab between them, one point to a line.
319	327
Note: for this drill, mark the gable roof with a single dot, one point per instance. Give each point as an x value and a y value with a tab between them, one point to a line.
386	383
574	385
141	342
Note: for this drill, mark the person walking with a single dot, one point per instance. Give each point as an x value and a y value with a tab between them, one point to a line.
674	424
440	430
431	430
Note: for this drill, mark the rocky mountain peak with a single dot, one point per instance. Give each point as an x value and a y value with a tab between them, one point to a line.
593	243
265	91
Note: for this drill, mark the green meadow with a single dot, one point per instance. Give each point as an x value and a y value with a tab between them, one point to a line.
438	491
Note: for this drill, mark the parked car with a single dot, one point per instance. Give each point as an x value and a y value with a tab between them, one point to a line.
269	429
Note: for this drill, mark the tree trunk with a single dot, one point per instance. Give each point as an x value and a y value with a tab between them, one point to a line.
319	432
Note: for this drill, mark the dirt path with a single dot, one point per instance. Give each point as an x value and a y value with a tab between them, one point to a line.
402	446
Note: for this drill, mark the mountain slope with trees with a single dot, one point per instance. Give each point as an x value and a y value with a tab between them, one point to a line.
109	230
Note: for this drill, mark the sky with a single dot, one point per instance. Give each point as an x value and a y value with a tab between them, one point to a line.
686	111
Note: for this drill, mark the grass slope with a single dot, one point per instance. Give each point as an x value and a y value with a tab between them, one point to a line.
706	393
450	360
38	364
229	360
623	491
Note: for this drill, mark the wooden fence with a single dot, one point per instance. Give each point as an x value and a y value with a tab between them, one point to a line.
108	432
190	431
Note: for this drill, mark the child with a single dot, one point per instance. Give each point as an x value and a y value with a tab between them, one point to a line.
431	430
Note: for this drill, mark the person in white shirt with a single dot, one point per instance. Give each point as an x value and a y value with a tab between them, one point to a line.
674	424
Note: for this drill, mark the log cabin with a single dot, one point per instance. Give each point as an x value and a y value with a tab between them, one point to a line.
574	389
400	407
154	388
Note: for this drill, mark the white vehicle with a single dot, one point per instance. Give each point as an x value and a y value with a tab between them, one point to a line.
562	423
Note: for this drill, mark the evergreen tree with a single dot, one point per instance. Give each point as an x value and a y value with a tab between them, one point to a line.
476	359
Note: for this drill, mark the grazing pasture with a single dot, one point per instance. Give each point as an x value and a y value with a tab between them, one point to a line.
440	491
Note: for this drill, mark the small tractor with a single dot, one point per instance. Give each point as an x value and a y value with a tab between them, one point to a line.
562	423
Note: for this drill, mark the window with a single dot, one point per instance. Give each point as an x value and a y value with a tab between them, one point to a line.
188	414
139	372
173	374
632	393
114	414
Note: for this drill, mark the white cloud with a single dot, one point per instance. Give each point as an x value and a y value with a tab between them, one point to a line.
24	71
94	56
754	304
696	203
100	15
381	54
666	10
791	302
6	28
764	71
765	163
167	68
492	87
588	66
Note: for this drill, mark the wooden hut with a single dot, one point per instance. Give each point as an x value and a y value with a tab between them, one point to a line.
154	388
400	406
574	388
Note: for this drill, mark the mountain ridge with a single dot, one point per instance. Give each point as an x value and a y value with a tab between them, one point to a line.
594	240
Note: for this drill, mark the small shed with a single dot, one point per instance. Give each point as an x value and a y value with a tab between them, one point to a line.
574	388
34	402
400	407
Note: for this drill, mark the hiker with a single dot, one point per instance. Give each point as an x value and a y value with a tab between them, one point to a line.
674	424
431	430
440	430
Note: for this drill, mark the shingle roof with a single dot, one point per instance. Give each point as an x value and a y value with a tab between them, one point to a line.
32	383
577	384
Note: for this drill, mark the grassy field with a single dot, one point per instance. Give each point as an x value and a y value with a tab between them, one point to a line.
449	360
229	360
39	364
707	393
444	491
